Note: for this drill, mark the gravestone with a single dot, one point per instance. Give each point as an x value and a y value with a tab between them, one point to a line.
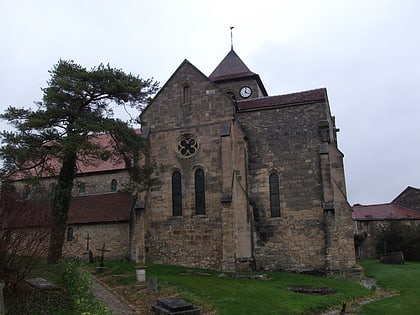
101	264
152	284
171	306
392	258
42	284
87	256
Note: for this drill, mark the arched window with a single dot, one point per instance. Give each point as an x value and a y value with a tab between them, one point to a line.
26	191
114	185
82	188
70	234
53	188
176	194
274	195
186	94
232	95
200	196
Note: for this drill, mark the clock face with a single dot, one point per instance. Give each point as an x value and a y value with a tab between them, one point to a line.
245	91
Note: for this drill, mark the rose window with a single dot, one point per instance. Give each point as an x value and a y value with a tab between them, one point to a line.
187	146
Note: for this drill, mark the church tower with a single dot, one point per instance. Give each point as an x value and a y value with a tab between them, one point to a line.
235	78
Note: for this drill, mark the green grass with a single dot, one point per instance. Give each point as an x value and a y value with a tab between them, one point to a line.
404	279
228	295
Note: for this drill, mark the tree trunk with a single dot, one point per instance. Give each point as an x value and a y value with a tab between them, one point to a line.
60	206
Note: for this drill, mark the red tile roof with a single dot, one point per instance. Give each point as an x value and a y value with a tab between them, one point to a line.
90	209
85	165
311	96
387	211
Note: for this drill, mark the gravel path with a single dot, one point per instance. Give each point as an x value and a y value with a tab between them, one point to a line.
110	300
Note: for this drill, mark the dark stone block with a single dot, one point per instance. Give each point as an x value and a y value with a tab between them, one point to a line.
42	284
174	307
392	258
226	198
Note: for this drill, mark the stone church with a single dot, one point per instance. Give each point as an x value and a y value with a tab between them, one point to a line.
247	180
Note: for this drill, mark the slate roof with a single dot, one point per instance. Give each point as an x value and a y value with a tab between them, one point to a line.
231	67
89	209
387	211
305	97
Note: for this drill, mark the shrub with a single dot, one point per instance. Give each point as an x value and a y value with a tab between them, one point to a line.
401	237
78	285
21	244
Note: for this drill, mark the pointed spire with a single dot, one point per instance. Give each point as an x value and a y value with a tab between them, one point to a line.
231	67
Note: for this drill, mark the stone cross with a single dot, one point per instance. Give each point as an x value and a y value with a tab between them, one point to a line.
87	238
102	250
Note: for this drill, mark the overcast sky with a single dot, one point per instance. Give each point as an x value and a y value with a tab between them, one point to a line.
366	53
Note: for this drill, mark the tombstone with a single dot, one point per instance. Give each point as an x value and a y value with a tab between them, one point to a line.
87	256
101	263
152	284
2	308
168	306
42	284
392	258
141	274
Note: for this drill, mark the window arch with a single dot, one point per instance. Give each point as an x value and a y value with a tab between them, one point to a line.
274	195
186	94
26	191
200	197
70	235
53	188
176	194
114	185
82	188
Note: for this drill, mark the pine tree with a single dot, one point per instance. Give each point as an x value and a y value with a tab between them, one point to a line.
76	104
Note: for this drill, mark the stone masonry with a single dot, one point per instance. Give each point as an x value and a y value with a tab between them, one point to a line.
241	142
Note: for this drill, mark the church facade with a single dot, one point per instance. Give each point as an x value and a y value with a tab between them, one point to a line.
246	180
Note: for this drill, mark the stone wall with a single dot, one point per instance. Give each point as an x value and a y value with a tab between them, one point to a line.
95	183
314	230
285	141
115	236
370	233
210	239
409	198
237	152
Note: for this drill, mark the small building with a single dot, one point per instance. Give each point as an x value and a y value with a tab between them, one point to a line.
100	209
371	221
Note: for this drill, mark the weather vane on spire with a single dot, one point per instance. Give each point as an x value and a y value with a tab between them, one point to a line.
231	38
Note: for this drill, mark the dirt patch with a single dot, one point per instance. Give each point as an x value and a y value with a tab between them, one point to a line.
312	290
141	299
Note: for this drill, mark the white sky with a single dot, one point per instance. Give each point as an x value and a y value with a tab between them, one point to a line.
365	52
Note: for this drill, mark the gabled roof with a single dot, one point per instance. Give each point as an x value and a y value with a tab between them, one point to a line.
231	67
90	209
387	211
298	98
85	165
414	192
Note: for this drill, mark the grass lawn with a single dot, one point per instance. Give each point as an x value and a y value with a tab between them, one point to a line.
228	295
404	279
